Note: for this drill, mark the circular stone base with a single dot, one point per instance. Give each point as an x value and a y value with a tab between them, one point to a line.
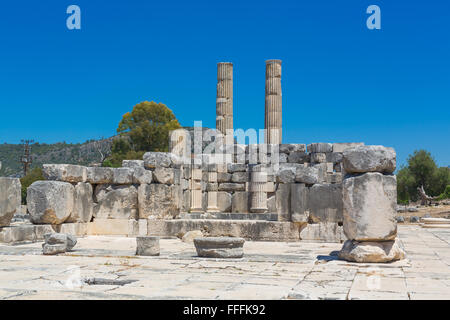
371	251
220	247
147	246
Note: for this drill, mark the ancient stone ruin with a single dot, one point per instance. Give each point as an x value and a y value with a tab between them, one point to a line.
330	192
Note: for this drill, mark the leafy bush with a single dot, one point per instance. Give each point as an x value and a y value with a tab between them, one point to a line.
32	176
445	194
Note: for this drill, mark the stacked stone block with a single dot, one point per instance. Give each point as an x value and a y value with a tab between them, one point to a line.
369	194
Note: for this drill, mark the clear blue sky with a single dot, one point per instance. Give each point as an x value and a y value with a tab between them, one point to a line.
341	82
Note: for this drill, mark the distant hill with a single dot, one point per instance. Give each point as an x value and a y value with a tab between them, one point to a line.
86	153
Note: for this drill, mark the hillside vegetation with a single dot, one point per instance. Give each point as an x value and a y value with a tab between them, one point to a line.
87	153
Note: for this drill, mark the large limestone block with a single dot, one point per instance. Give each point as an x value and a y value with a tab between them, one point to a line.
370	203
50	202
116	202
241	202
383	251
299	202
159	159
133	163
122	176
100	175
325	203
147	246
224	201
308	175
283	201
369	159
320	147
286	175
64	172
164	175
231	186
10	199
158	201
323	231
142	175
83	207
219	247
341	147
299	157
288	148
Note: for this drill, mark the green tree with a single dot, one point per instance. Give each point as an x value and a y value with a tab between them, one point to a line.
145	128
148	126
406	186
32	176
422	166
421	171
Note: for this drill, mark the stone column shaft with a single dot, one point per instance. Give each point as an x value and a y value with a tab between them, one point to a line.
273	108
212	194
224	102
196	190
258	181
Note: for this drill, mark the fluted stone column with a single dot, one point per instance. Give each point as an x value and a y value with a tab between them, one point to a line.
224	102
258	181
196	190
273	114
212	189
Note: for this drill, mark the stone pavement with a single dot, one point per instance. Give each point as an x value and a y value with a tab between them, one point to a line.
102	267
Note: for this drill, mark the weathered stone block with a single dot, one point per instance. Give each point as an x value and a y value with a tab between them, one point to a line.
147	246
83	207
50	202
383	251
236	167
224	201
240	177
318	157
320	147
10	199
64	172
341	147
369	159
308	175
100	175
231	186
158	201
299	157
241	202
223	177
286	175
323	231
142	175
288	148
325	203
133	163
219	247
299	202
370	203
283	201
116	202
158	159
164	175
122	176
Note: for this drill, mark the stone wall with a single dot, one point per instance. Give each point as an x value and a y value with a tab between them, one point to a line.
287	183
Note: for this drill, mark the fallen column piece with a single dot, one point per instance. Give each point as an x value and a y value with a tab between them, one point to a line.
58	243
147	246
219	247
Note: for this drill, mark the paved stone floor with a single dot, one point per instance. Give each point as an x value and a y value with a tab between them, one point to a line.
269	270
